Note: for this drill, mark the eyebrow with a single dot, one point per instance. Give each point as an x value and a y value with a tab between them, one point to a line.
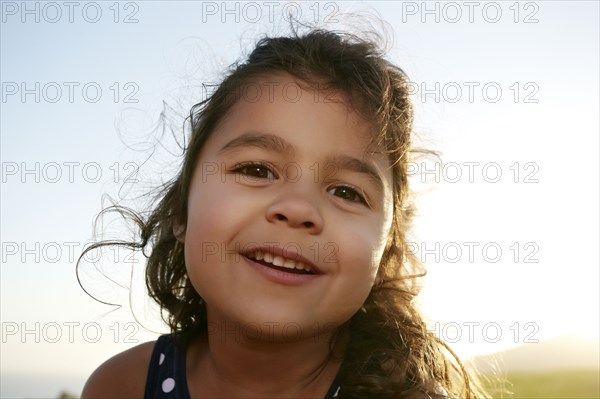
267	141
263	141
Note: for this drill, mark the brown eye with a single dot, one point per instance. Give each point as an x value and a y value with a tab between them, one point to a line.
255	171
348	193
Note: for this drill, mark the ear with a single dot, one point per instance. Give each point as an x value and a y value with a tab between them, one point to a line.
179	228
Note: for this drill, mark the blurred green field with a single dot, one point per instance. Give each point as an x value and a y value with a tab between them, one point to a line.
565	384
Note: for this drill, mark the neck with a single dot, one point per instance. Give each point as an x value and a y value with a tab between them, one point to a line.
233	363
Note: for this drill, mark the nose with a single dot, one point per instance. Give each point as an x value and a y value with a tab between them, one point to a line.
296	210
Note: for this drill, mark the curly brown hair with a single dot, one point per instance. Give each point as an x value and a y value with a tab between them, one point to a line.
390	353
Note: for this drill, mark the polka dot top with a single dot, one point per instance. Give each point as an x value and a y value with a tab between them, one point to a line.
166	373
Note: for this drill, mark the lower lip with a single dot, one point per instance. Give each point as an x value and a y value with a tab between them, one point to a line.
280	277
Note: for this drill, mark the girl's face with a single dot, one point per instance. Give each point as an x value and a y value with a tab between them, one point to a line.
289	213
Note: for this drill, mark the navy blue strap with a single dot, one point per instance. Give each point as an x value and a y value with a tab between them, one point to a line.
334	390
166	372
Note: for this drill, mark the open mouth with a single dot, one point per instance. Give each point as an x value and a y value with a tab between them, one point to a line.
279	262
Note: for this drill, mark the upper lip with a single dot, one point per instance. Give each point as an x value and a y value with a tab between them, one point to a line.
284	253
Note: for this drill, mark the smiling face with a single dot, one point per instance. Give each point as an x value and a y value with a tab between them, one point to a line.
289	212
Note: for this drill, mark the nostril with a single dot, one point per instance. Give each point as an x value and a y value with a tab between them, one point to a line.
292	220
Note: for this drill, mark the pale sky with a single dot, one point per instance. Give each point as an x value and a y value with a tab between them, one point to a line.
508	92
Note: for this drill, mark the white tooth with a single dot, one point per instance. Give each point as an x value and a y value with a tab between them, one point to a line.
278	261
259	255
268	257
289	264
300	266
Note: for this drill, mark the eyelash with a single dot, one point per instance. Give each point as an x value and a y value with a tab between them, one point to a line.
243	169
359	197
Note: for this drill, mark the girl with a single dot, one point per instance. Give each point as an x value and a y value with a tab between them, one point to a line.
278	252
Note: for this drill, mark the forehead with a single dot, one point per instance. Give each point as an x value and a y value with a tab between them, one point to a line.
289	106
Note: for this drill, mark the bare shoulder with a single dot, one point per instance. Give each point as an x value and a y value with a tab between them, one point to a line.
121	376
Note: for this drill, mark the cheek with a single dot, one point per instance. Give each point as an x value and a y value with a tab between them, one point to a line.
208	230
359	252
360	255
357	269
374	237
366	251
214	207
204	223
